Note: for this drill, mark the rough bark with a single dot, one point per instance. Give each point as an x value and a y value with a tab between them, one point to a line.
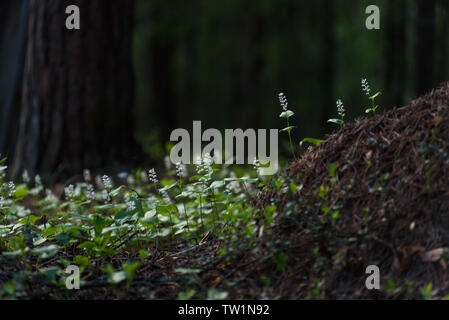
77	94
13	22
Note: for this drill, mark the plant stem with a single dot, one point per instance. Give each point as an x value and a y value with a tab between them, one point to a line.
290	138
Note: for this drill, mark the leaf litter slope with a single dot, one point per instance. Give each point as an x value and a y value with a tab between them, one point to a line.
374	193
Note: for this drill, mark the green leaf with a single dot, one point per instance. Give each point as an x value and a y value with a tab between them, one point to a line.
167	209
187	271
333	169
314	141
116	192
149	219
375	95
280	259
215	294
286	114
288	129
169	187
336	121
30	219
217	185
46	252
81	261
21	192
277	183
186	295
51	272
117	277
12	254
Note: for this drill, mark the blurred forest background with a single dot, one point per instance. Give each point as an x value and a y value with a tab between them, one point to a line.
112	92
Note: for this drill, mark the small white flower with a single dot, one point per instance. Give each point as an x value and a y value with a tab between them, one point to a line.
233	186
144	177
365	87
256	164
87	176
50	197
165	196
106	196
11	189
152	176
90	192
340	108
25	177
130	204
130	180
38	180
180	170
204	166
99	182
283	101
70	192
107	183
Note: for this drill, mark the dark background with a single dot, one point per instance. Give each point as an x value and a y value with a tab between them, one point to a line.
111	93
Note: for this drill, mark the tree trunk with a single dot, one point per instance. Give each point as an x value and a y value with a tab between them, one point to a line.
13	22
424	46
77	94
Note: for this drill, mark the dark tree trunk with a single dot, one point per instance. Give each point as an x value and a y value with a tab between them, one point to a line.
161	55
424	52
77	94
13	22
395	53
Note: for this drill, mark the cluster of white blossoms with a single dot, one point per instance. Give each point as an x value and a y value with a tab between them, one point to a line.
365	87
38	180
152	176
2	202
204	166
340	108
107	183
130	204
90	192
11	189
283	101
25	177
87	176
70	192
143	177
106	196
233	186
50	197
181	170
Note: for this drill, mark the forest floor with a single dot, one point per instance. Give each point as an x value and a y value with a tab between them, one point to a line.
374	193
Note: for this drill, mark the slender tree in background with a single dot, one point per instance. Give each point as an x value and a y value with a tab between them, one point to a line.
443	42
77	94
328	59
13	22
424	48
395	62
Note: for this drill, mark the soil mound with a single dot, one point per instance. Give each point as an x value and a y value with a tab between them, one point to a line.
374	193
